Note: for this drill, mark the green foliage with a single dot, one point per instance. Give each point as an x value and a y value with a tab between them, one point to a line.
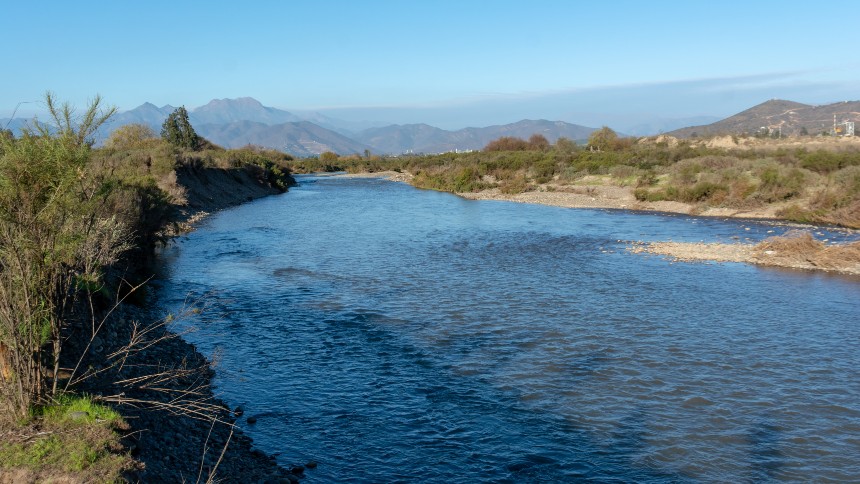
177	131
779	183
79	436
54	230
822	161
131	136
565	145
328	156
602	139
67	408
605	139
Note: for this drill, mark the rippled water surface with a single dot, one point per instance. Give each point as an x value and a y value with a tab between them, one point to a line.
392	334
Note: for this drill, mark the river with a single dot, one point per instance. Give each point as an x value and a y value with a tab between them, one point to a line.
398	335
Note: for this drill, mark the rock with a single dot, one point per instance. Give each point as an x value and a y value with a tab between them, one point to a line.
78	415
238	411
311	464
252	420
297	470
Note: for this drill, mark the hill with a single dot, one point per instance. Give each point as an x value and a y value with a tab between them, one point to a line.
787	116
300	138
423	138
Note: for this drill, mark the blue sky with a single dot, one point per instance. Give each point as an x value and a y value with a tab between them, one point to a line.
456	62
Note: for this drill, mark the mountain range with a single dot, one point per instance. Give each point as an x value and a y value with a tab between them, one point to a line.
233	123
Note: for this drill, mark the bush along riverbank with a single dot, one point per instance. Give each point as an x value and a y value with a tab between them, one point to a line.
94	386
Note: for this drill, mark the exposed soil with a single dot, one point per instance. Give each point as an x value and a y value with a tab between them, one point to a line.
207	190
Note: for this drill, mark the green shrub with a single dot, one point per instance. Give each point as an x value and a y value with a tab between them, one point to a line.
703	191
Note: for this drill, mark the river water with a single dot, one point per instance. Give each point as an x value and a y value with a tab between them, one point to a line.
397	335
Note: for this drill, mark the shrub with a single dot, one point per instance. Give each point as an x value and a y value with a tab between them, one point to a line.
130	136
703	191
54	231
538	142
507	143
778	183
328	156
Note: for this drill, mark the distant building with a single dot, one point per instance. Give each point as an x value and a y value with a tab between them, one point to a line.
845	128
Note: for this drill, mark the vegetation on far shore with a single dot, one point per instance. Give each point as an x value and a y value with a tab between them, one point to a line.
810	185
75	223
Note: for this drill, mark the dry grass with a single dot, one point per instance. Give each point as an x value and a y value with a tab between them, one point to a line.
800	249
796	250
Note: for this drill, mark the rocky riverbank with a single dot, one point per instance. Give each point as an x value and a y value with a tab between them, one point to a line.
180	430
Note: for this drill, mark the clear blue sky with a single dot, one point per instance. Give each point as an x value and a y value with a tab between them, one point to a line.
491	59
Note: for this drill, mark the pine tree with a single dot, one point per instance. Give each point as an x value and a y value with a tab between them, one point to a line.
177	130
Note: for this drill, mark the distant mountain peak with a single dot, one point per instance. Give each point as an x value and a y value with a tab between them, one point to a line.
239	101
222	111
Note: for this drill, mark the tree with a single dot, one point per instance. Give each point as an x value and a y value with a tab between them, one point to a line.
804	131
177	130
603	139
565	145
328	156
507	143
538	142
130	136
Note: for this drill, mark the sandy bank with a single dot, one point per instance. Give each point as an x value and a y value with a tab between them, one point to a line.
388	175
609	196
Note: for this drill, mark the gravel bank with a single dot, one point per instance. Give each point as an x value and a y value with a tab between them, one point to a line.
172	446
748	254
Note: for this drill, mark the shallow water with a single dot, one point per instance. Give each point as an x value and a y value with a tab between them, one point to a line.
393	334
